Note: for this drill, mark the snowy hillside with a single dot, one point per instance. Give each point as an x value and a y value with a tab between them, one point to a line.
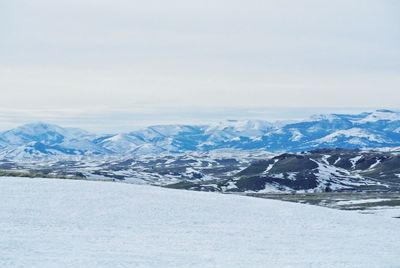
62	223
323	170
43	140
376	129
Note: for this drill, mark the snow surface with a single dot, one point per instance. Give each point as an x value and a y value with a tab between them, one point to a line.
66	223
382	211
381	115
338	178
351	133
296	135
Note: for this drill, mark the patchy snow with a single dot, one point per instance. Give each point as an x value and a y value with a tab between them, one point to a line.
270	166
374	165
319	117
278	176
338	178
354	133
292	175
355	160
233	128
255	138
337	160
274	188
325	159
231	186
361	201
63	223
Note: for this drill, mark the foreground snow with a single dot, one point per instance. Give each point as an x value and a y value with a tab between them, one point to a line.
62	223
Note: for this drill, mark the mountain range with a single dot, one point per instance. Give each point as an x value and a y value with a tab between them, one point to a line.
377	129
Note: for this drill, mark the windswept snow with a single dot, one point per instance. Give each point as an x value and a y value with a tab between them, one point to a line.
61	223
381	115
351	133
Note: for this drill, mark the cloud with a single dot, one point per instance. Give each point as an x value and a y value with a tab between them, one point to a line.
120	120
209	55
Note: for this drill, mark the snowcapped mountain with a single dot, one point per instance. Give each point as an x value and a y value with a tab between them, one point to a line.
366	130
42	140
378	129
47	134
119	143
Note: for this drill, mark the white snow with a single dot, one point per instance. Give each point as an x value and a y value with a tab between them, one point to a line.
270	166
355	160
389	212
355	133
361	201
380	115
65	223
374	165
273	188
319	117
325	159
255	138
296	135
232	130
292	175
338	178
231	186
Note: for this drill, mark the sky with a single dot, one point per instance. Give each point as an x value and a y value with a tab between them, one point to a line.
121	64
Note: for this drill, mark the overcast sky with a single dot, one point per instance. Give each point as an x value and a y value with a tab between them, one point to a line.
119	64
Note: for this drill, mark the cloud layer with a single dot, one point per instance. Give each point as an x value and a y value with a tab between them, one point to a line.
161	55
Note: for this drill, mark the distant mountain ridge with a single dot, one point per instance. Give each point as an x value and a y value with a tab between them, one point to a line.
376	129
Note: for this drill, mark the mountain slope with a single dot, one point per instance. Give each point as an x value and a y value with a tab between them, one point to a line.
43	140
378	129
321	171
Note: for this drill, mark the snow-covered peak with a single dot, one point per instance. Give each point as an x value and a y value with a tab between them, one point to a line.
349	134
117	138
163	131
376	129
120	143
380	115
46	138
325	117
36	129
247	128
33	132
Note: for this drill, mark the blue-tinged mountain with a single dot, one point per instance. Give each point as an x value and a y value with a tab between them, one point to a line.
367	130
378	129
155	139
231	134
43	140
